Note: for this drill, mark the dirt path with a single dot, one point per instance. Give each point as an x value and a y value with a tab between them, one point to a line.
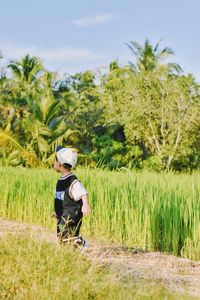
177	274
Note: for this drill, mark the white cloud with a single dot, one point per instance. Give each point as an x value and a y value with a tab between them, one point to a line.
69	54
53	55
99	19
60	59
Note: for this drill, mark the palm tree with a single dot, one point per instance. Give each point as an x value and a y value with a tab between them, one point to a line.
150	58
45	125
33	136
114	76
28	69
26	79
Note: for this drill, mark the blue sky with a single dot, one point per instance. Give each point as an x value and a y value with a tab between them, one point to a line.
72	36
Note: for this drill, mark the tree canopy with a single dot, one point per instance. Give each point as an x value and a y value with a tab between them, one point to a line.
142	115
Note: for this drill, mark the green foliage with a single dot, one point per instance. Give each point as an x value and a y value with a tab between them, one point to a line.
158	113
28	69
148	118
150	58
108	152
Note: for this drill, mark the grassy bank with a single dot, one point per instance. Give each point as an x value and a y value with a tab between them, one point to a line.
31	269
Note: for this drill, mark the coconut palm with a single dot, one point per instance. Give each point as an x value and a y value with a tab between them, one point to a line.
28	69
150	58
25	84
37	125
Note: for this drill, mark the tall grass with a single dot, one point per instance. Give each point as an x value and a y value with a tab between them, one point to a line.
144	210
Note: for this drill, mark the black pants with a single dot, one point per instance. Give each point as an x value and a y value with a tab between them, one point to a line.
68	226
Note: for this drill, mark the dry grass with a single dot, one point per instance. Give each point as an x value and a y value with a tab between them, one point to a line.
177	274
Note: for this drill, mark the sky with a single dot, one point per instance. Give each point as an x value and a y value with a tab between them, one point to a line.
78	35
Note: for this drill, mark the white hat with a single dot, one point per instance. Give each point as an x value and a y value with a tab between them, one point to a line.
66	156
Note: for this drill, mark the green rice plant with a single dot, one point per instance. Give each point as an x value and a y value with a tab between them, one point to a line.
138	209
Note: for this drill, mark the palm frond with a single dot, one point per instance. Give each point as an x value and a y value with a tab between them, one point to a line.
40	132
166	52
133	67
52	111
135	48
175	67
61	138
15	69
6	137
14	149
157	45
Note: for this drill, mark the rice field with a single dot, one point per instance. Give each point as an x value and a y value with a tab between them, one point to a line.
139	209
